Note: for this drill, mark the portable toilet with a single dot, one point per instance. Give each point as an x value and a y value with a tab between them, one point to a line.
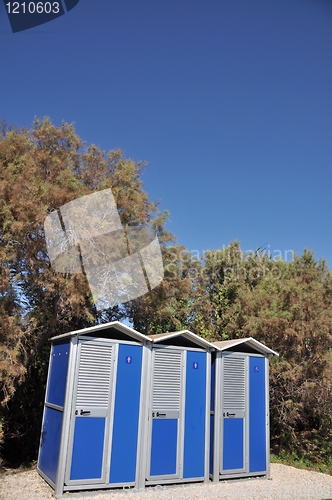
177	433
94	409
240	437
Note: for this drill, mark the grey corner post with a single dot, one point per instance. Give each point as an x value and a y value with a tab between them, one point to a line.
207	417
61	470
142	445
267	399
217	420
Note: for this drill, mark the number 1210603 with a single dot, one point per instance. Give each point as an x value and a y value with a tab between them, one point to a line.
33	7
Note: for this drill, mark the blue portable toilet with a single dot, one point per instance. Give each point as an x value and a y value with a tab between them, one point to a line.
177	432
94	409
240	437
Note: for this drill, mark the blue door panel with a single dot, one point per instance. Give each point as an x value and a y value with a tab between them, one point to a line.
50	443
213	383
88	448
126	415
163	447
56	386
195	411
257	411
233	452
211	443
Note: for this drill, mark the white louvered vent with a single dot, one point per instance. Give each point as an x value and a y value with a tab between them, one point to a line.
233	383
94	375
166	381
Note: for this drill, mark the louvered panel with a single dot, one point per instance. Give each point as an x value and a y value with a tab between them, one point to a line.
94	375
166	394
233	384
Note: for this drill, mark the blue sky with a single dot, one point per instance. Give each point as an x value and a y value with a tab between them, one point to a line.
229	102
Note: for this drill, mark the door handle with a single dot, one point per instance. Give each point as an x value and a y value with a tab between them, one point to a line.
85	412
161	414
230	414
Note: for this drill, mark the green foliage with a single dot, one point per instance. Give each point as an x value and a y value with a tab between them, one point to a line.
302	462
169	306
287	306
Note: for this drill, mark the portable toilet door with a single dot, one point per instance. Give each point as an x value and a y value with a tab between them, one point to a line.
94	409
240	409
178	414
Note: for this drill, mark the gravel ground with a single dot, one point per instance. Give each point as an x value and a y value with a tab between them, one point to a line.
285	483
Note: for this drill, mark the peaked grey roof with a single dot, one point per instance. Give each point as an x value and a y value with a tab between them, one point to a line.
223	345
187	334
93	330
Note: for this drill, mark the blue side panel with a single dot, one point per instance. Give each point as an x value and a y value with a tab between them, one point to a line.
58	374
126	414
233	450
50	443
212	405
213	379
195	409
211	443
88	448
257	408
164	446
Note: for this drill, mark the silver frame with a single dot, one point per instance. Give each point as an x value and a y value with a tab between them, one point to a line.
65	449
60	477
207	417
145	417
143	425
267	402
109	416
216	420
178	478
179	450
245	468
217	473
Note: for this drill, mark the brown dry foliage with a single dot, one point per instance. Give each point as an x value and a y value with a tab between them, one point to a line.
41	169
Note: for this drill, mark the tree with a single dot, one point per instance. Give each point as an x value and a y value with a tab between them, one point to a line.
41	169
168	307
288	307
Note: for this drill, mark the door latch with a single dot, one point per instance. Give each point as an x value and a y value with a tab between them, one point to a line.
85	412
